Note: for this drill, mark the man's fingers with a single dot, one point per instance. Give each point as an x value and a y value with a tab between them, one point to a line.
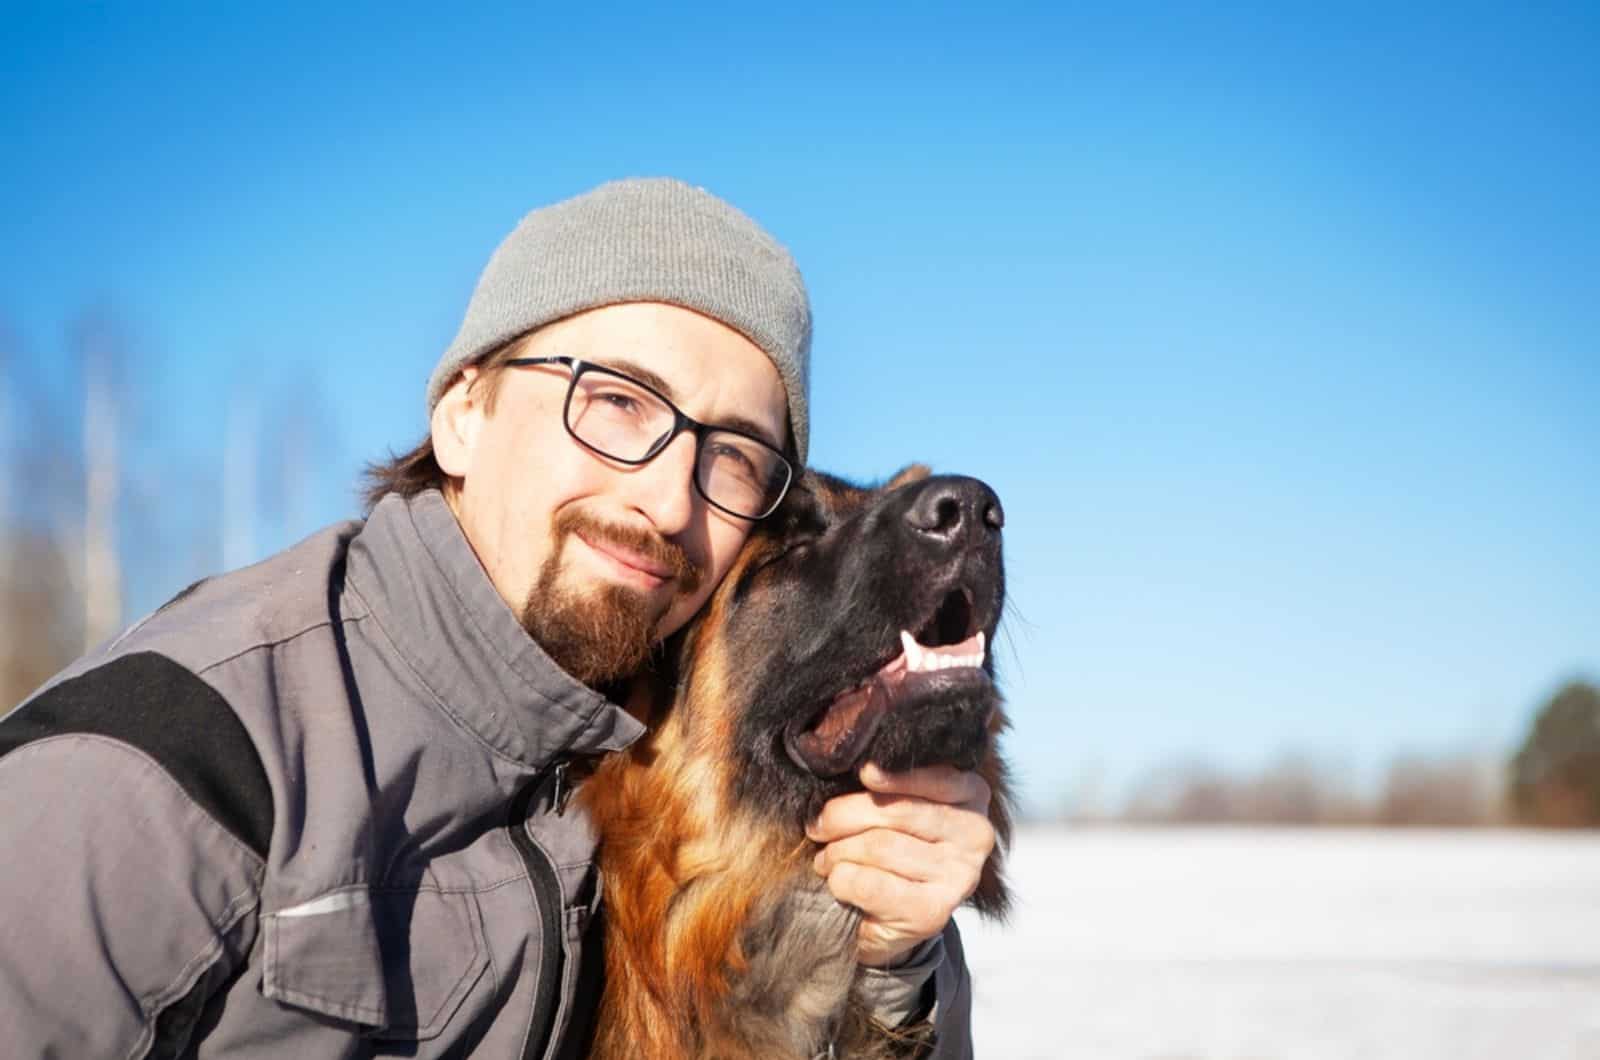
895	852
933	822
906	852
892	904
861	811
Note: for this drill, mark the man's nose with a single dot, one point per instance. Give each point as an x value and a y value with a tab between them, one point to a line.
664	488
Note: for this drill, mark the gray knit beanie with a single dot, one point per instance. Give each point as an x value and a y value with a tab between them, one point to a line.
642	240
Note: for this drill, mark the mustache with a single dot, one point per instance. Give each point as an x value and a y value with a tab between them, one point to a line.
685	571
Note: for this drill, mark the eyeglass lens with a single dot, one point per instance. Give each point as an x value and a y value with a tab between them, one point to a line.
625	421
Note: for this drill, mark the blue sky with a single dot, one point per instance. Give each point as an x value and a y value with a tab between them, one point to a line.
1276	332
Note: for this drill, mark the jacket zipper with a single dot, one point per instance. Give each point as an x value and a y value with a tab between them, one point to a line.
547	895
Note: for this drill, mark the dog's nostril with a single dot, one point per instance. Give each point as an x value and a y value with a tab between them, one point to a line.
953	511
937	514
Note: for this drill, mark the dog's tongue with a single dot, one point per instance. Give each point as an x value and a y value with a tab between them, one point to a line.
842	720
841	733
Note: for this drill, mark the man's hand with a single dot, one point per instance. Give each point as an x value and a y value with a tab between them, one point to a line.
906	852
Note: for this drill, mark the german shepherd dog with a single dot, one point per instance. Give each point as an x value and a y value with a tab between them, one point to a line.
853	627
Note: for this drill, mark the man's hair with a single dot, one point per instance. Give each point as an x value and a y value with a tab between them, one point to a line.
417	470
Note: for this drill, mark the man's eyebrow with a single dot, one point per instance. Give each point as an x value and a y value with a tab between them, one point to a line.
742	424
750	427
643	374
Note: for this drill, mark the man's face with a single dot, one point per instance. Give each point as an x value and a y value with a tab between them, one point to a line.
601	559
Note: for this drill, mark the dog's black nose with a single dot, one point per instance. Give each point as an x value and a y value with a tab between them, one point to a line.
953	510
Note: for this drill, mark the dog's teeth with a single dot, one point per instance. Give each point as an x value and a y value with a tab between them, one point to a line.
921	659
913	650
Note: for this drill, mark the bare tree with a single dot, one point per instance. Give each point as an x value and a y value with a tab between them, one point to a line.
101	354
1300	790
39	620
1193	792
39	628
8	353
240	457
302	434
1452	791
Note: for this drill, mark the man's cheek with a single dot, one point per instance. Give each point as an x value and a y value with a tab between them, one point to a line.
680	612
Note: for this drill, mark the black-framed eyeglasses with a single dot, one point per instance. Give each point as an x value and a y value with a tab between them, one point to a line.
630	422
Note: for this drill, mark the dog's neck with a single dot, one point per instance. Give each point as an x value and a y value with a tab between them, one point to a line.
720	939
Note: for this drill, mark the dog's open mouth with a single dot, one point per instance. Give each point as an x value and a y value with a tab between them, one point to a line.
944	655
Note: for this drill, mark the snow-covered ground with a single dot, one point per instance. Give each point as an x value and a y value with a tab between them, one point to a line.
1233	944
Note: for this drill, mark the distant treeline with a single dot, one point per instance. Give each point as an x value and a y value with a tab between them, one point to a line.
1552	780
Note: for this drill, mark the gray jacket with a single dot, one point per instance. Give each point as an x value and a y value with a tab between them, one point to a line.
315	808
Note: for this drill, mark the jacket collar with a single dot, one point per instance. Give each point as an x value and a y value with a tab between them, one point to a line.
414	568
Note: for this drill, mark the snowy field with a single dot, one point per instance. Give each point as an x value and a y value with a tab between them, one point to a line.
1225	944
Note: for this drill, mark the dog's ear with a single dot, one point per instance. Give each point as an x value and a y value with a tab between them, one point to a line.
993	897
806	507
907	475
819	499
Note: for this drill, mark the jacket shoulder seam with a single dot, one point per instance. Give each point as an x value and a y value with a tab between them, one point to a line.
153	704
272	643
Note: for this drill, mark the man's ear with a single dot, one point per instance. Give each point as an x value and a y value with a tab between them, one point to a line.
455	425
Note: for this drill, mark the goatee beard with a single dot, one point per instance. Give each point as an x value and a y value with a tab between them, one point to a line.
604	632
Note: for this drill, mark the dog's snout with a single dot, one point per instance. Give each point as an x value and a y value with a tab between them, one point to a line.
954	510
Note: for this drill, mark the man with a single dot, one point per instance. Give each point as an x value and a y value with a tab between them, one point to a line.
317	807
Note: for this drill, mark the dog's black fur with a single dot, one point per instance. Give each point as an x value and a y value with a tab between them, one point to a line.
825	612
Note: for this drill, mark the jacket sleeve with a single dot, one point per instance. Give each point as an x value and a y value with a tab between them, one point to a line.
927	999
126	902
952	1005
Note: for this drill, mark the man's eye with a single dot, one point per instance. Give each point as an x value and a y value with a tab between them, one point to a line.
620	402
734	459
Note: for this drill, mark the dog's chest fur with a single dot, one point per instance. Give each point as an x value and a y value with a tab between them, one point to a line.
801	965
721	942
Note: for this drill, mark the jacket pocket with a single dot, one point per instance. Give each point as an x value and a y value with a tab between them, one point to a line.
398	963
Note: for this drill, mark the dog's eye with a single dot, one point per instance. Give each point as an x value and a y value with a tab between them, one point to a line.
754	570
790	547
